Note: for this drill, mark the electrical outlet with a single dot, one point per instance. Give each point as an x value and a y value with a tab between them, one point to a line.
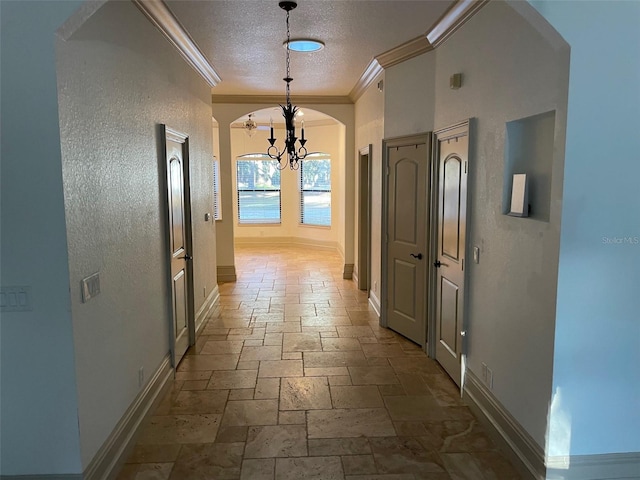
141	377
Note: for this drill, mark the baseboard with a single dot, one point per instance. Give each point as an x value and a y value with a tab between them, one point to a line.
226	273
114	451
374	301
308	242
354	277
610	466
523	451
205	309
347	271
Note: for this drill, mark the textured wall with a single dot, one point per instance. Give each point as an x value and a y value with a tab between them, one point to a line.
510	71
118	81
39	412
370	109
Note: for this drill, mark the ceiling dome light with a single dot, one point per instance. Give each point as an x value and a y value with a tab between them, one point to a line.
305	45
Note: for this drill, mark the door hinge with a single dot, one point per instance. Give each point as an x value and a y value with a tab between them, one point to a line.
465	166
463	264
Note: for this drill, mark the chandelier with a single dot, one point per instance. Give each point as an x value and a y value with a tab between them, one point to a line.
250	126
290	155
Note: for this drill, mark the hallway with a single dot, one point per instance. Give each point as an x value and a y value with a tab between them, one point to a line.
293	378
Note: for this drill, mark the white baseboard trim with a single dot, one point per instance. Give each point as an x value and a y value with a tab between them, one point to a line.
609	466
354	276
206	308
523	451
114	451
347	271
226	273
309	242
374	302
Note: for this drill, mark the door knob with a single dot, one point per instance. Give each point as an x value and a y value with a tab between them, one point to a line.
437	264
418	256
186	257
463	333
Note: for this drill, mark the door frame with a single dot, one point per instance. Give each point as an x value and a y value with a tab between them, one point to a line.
438	134
364	218
384	279
170	134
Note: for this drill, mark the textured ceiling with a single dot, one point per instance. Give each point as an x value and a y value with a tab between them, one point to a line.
243	39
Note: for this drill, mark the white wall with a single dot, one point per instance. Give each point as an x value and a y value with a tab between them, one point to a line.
324	139
597	335
510	71
118	81
370	113
39	411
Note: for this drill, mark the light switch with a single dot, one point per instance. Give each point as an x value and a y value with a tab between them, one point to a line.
476	254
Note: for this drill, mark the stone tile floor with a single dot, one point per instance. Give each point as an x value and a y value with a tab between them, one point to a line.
293	378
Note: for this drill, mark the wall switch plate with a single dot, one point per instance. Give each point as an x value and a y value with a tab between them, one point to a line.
15	299
90	287
476	254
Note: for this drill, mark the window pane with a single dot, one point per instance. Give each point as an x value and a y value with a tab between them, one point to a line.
258	185
315	192
316	207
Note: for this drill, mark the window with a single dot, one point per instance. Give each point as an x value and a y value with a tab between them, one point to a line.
217	206
258	185
315	190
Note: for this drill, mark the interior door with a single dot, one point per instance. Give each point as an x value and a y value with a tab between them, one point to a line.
452	145
407	172
179	242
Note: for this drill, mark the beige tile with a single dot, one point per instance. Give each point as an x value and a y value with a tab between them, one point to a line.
249	365
383	350
327	334
304	393
340	380
325	371
281	368
232	434
359	465
300	309
404	455
340	344
199	401
414	408
253	343
193	375
355	331
301	342
172	429
292	355
292	417
154	471
191	363
251	412
276	441
154	453
258	469
202	462
283	327
241	394
267	388
339	446
273	339
270	352
409	364
373	376
337	423
195	384
320	468
228	379
356	397
333	359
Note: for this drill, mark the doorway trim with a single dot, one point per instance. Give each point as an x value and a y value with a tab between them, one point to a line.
364	219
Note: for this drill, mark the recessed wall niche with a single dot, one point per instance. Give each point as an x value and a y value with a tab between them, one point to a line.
529	149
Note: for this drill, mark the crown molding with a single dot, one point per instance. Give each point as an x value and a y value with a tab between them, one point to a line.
159	14
453	19
412	48
368	76
280	99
